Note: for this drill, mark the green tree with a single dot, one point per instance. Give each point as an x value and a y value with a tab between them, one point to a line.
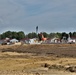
52	35
58	35
74	34
71	34
21	35
32	35
45	34
3	36
64	35
29	35
14	35
0	36
8	34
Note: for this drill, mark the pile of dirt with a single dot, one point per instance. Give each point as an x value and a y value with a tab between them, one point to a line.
69	68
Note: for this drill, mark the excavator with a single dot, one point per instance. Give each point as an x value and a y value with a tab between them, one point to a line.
41	37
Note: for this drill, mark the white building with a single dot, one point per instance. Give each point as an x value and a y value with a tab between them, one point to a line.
55	40
13	41
32	41
71	40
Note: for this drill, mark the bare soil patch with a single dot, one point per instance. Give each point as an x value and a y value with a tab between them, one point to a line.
54	59
59	50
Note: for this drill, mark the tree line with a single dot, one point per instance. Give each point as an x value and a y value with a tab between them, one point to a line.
9	34
20	35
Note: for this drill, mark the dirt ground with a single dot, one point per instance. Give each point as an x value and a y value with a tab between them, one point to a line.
51	59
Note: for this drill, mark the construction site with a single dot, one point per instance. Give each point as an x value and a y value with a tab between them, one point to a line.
37	37
38	59
38	56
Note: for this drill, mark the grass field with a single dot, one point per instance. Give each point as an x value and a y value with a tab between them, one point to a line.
52	59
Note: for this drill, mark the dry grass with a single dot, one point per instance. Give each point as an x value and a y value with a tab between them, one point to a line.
28	61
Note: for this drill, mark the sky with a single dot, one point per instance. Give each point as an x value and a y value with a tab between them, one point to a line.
48	15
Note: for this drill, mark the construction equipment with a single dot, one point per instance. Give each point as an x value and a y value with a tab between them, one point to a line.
41	37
